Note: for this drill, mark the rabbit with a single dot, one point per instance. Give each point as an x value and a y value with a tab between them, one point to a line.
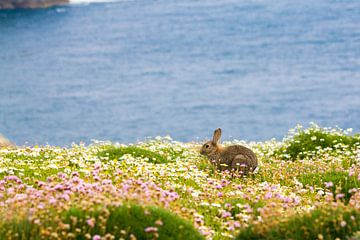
231	158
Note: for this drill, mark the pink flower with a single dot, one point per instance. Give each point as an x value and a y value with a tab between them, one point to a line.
340	195
236	224
225	214
106	182
151	229
329	184
224	182
268	195
40	183
96	237
61	175
91	222
59	187
228	205
13	178
76	180
97	166
65	197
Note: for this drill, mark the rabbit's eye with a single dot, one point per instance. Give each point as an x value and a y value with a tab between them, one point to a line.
207	146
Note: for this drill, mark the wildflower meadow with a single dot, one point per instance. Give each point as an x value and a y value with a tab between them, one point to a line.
307	186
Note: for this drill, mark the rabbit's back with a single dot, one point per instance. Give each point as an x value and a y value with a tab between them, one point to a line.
233	151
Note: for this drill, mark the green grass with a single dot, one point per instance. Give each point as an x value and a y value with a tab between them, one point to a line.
330	223
30	165
305	143
341	181
112	152
120	222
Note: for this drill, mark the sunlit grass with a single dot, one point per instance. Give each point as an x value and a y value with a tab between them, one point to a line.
116	153
322	223
309	142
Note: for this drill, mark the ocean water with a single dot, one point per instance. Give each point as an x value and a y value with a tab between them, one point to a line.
127	70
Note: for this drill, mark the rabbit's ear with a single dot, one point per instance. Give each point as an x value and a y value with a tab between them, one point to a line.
217	135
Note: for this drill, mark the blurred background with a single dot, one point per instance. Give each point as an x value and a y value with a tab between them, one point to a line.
127	70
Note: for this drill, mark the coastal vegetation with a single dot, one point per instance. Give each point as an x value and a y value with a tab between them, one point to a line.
307	187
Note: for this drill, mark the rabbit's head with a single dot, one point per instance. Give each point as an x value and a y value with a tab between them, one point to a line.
212	147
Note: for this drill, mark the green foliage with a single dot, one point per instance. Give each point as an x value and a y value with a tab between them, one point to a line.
328	223
112	152
341	181
19	229
308	142
30	163
120	222
172	153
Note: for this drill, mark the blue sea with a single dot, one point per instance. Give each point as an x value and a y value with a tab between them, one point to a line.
127	70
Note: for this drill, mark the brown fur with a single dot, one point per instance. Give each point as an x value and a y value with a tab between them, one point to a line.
231	158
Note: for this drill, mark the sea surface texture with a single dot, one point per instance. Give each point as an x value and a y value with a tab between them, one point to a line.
127	70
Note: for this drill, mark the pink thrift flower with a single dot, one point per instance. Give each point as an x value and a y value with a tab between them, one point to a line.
106	182
97	166
151	229
236	224
91	222
225	214
340	195
268	195
224	182
228	205
61	175
96	237
329	184
65	197
14	178
59	187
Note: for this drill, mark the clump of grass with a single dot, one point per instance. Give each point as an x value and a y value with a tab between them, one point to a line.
305	143
339	180
121	222
325	223
112	152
